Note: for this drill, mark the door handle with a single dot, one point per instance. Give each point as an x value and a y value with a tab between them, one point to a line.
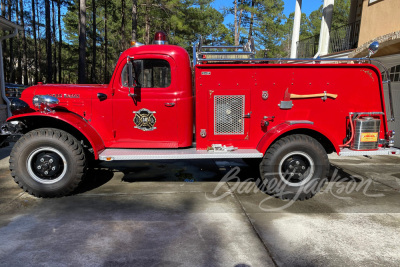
101	96
247	116
170	104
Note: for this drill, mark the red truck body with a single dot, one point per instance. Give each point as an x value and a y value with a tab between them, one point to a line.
358	87
247	106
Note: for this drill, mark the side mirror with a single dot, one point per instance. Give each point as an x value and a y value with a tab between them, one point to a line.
131	80
373	47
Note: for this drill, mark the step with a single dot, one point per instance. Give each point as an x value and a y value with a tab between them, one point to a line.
110	154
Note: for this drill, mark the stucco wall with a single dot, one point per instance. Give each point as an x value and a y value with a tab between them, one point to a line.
378	19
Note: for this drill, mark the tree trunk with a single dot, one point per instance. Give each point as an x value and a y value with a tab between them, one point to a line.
93	74
54	41
25	63
38	44
123	41
235	22
49	74
11	63
134	20
239	22
4	44
82	42
251	20
105	43
18	48
59	41
147	22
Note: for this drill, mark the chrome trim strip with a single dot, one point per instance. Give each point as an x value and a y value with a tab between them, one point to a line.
300	122
185	153
367	113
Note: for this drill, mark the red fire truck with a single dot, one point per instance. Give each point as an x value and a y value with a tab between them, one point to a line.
287	114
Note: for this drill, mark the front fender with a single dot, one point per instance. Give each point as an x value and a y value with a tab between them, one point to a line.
285	127
70	119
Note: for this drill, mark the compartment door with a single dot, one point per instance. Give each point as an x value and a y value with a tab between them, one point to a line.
228	115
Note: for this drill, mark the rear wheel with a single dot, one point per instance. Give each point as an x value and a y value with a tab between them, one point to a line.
295	167
48	163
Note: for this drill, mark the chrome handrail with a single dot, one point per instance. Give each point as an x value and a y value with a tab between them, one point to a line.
289	60
392	119
227	53
223	46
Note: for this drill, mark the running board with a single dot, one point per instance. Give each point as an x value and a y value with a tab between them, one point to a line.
182	153
380	151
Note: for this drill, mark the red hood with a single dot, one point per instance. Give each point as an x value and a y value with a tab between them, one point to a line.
76	98
63	91
83	90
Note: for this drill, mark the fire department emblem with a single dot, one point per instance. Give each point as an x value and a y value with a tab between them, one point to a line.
145	119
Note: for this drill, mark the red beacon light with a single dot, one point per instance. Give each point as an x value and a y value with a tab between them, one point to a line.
160	38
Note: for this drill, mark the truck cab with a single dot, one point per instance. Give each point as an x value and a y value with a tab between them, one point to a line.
158	111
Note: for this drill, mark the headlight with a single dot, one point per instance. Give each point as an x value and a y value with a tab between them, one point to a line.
18	106
45	102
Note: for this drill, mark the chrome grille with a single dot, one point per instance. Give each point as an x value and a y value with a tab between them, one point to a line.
228	114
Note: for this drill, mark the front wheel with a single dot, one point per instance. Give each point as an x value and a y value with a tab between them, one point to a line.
48	163
295	167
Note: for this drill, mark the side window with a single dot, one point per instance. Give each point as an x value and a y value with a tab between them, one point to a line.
150	73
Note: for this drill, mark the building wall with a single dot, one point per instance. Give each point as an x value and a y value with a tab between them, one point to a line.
379	18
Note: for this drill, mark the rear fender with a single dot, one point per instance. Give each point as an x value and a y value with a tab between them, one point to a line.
284	128
64	121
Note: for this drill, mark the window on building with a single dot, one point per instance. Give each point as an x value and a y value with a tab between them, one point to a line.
394	74
373	1
150	73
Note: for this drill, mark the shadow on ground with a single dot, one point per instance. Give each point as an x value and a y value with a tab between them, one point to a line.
189	171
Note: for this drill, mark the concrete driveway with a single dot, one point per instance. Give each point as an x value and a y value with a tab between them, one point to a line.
179	214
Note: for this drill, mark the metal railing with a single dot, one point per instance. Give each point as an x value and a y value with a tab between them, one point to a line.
344	38
341	39
307	48
202	52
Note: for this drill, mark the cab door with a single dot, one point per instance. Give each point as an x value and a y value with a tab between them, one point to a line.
145	116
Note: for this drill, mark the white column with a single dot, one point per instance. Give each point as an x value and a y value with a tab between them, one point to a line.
296	29
324	35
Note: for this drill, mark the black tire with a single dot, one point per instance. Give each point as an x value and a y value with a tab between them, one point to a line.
48	150
295	168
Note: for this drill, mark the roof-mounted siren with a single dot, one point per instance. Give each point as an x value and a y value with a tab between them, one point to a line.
160	38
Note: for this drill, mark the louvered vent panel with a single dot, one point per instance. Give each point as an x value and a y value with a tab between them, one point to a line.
228	114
